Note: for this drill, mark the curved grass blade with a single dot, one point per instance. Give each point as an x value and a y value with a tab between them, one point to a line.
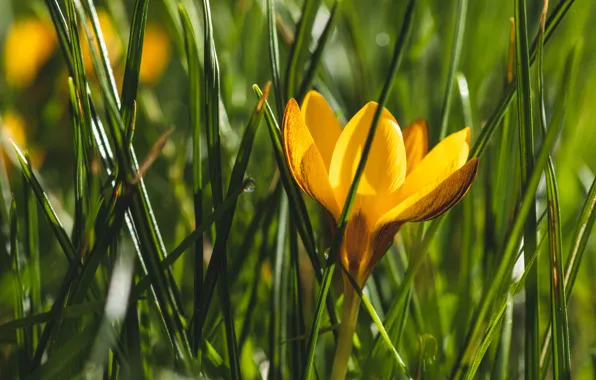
299	45
274	57
561	349
458	38
194	70
315	59
69	312
341	227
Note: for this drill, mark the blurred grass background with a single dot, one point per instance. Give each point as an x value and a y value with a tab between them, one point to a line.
35	113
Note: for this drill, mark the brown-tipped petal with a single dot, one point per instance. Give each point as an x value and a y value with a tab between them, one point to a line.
304	160
322	124
416	143
444	159
432	201
386	166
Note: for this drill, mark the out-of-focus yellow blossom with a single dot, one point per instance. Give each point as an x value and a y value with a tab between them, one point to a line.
111	39
13	127
28	46
156	54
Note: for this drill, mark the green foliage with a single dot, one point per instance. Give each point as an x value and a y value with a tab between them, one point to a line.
203	258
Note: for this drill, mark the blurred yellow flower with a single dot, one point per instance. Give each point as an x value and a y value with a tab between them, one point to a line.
13	127
28	46
156	54
401	183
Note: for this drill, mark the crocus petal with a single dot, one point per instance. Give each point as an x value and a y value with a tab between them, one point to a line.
322	124
444	159
433	200
416	143
386	166
304	160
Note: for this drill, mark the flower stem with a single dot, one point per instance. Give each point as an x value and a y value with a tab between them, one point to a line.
349	318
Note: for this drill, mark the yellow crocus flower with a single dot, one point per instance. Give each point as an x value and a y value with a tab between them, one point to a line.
28	46
402	182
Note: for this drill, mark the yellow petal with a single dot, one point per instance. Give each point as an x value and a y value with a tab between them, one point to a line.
322	124
416	143
304	159
445	158
386	166
433	200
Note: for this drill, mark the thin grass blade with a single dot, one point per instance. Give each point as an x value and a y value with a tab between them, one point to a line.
458	38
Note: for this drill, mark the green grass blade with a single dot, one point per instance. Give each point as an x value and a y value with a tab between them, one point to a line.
580	239
338	237
31	238
279	303
20	299
559	322
69	312
130	83
194	100
101	44
298	326
80	172
274	58
299	46
458	38
316	57
83	106
526	141
44	202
